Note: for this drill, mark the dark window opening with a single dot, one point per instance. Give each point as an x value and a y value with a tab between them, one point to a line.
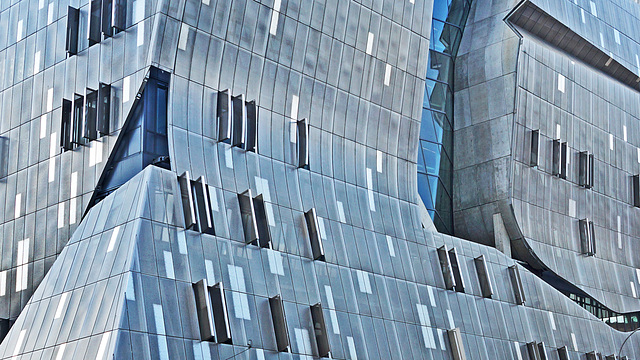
95	17
252	126
262	222
143	138
516	282
65	125
104	109
483	276
4	159
563	353
279	323
186	194
635	184
239	120
317	248
303	144
320	329
78	120
211	307
73	24
445	266
457	274
586	167
587	237
535	145
91	116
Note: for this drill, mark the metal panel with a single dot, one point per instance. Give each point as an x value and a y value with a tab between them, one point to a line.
483	276
221	315
320	328
223	114
204	310
445	266
279	323
516	282
239	121
187	200
317	248
457	347
248	214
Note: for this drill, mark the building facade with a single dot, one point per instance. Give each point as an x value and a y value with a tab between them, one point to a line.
209	179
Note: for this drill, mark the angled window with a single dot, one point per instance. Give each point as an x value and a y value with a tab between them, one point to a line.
635	182
516	282
90	131
186	195
445	266
66	125
143	139
279	323
95	16
555	167
221	315
104	109
118	15
303	144
587	237
563	353
317	248
457	347
457	274
586	165
252	126
239	120
535	146
564	153
200	192
73	23
248	214
320	329
262	222
223	114
483	276
4	158
106	17
204	309
78	120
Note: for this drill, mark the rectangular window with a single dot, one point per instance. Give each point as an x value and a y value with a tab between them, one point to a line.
264	233
187	201
78	120
591	168
542	350
587	237
592	356
223	113
119	15
65	125
200	192
457	347
5	326
483	277
535	146
303	144
73	23
563	160
90	116
248	214
104	109
239	120
635	183
516	282
4	157
106	17
320	329
457	273
536	351
252	126
204	310
279	323
445	266
555	168
563	353
95	17
586	165
317	248
221	315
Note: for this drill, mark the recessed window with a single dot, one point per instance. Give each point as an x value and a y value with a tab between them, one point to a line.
303	143
211	307
4	157
220	313
483	276
317	248
95	18
78	120
635	183
252	126
104	109
186	195
107	6
587	237
320	329
66	125
248	214
445	266
457	274
586	167
119	15
279	323
516	282
239	120
593	356
262	222
223	113
563	353
90	131
200	191
536	351
559	163
73	23
457	347
535	146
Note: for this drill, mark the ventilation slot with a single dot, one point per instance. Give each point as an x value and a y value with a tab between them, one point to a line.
320	328
279	323
317	247
239	121
563	353
73	22
249	223
535	146
586	164
587	237
445	265
457	347
187	201
516	282
483	276
457	274
303	144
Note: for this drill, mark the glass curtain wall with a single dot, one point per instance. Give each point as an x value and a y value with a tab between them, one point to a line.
435	155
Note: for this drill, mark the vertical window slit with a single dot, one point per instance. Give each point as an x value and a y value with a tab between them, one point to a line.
187	201
104	109
483	276
535	145
457	347
223	113
239	120
303	144
73	22
91	116
457	273
317	248
445	266
248	214
252	126
279	323
262	222
320	329
516	282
